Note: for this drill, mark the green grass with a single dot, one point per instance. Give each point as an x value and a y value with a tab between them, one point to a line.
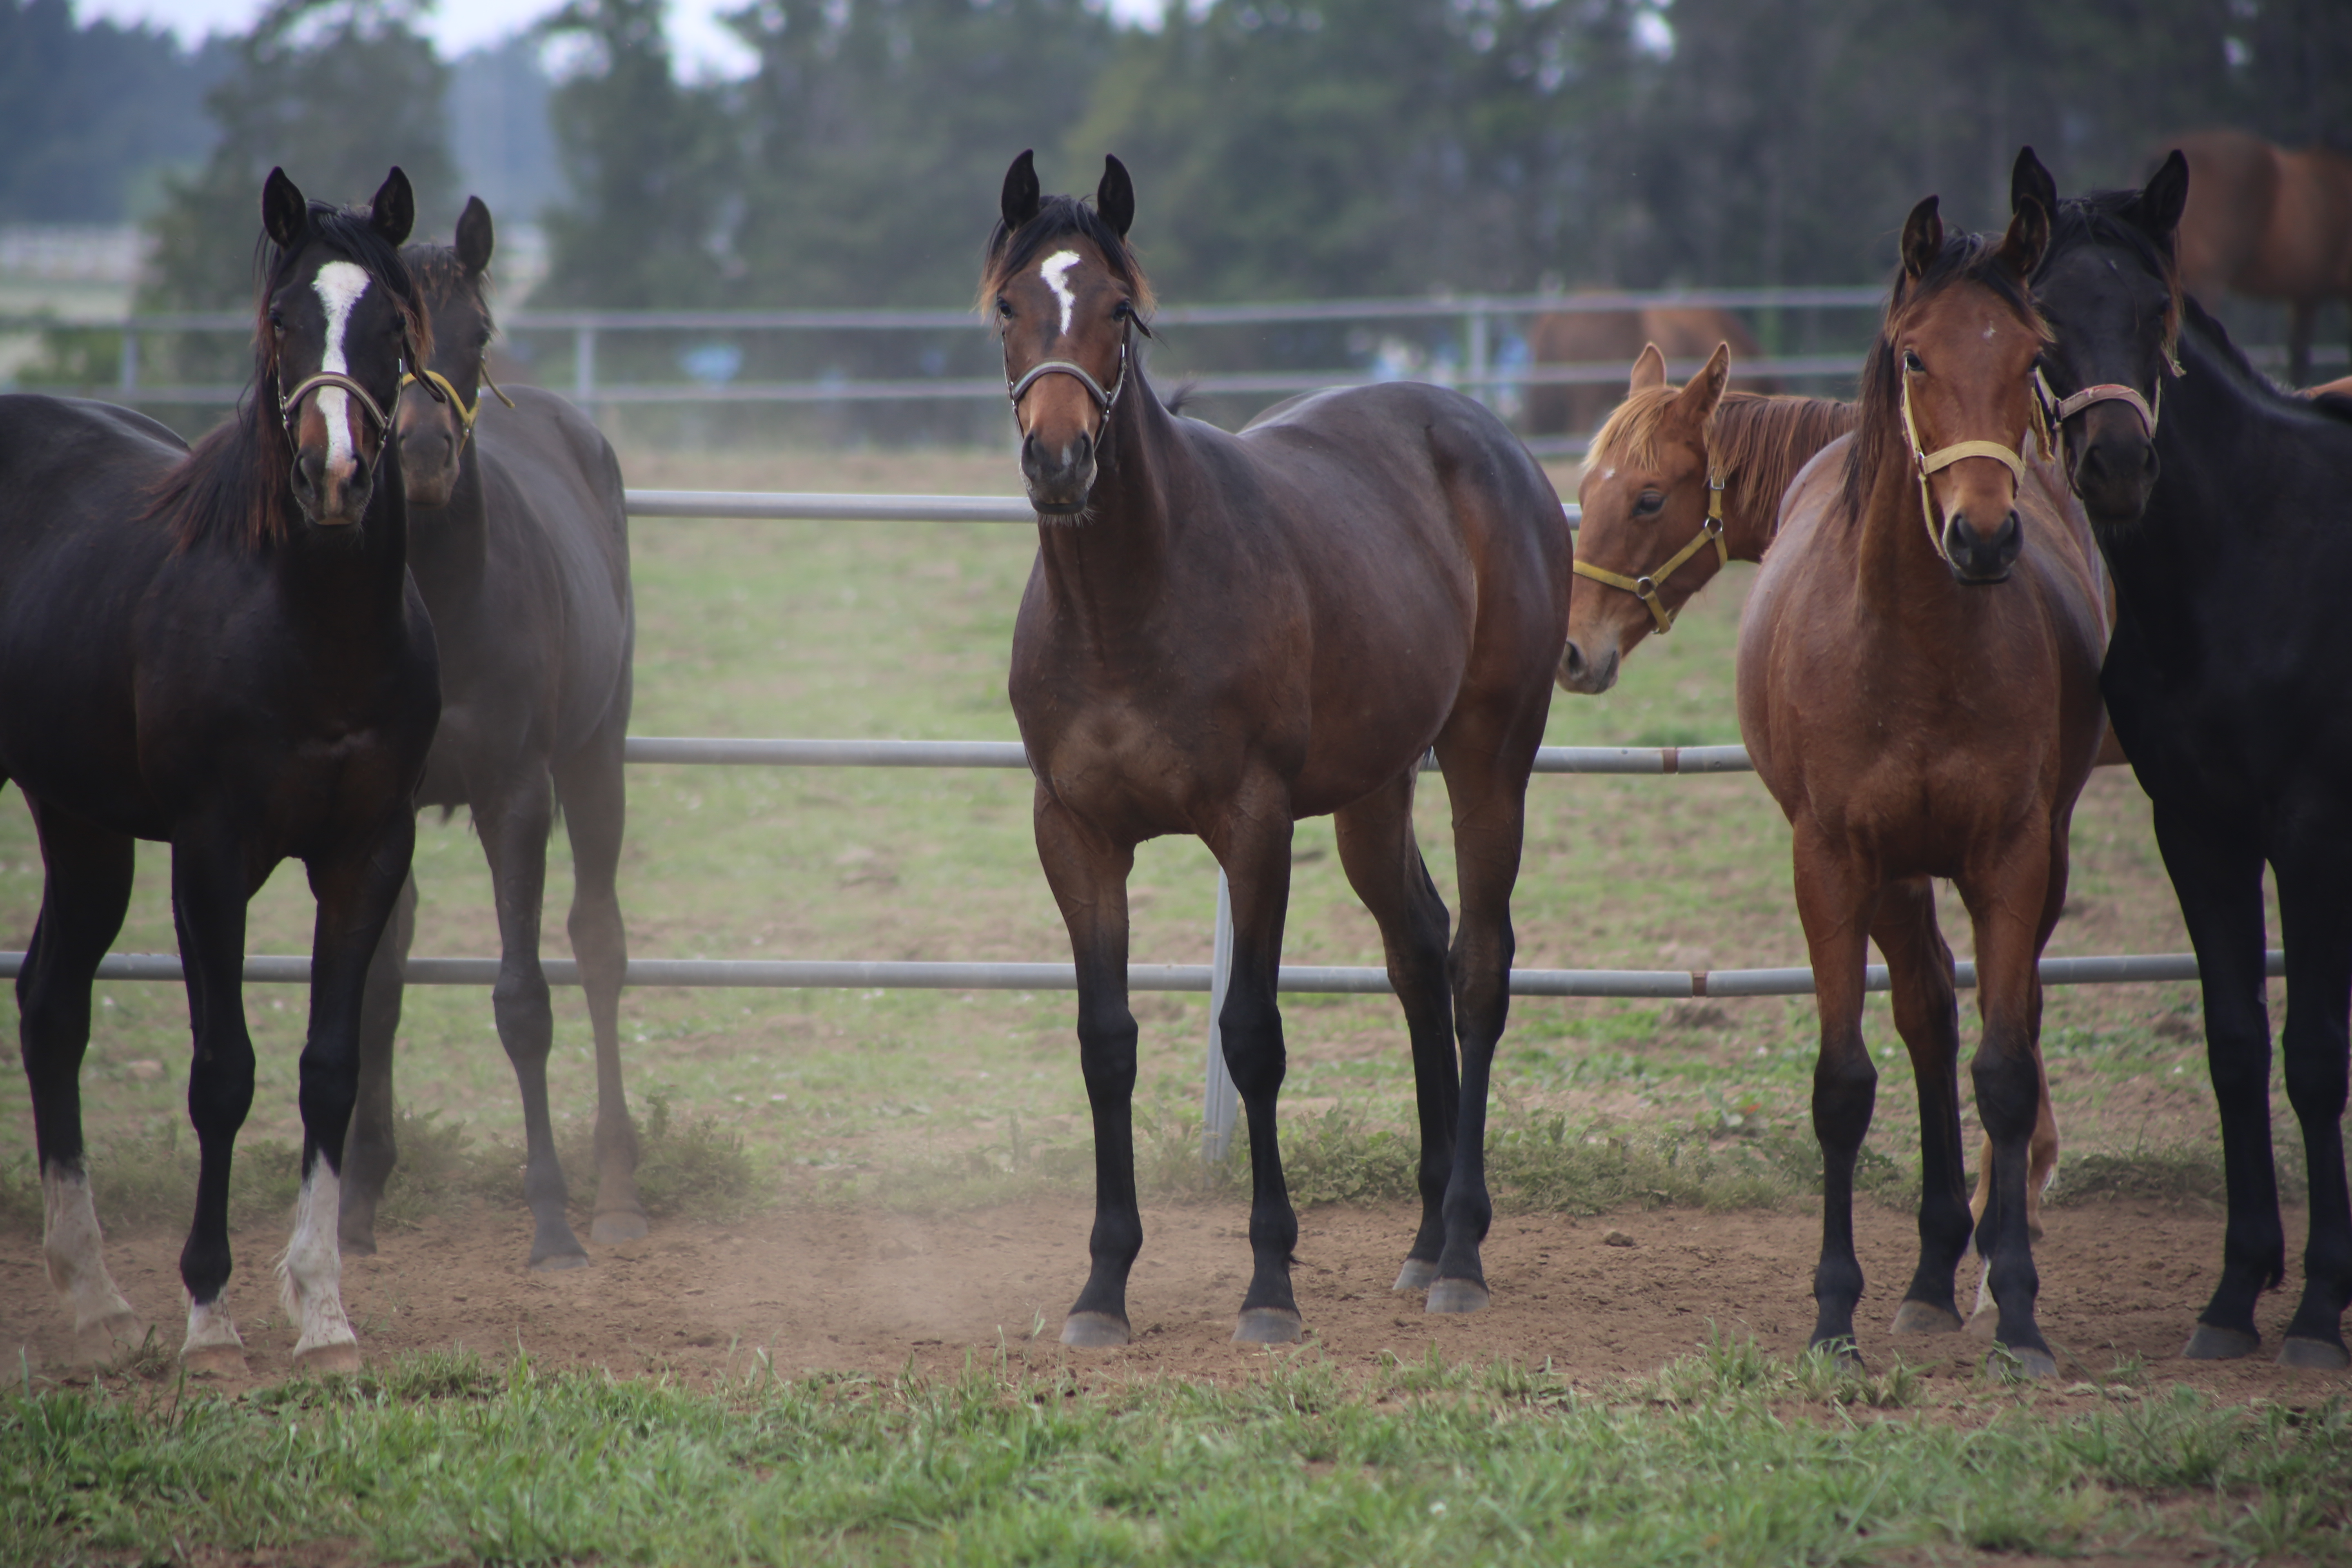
1727	1457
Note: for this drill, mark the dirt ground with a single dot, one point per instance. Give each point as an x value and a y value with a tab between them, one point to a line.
872	1292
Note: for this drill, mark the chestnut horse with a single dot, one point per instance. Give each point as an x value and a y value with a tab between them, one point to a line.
221	650
1918	687
2220	505
1609	337
1224	634
2269	223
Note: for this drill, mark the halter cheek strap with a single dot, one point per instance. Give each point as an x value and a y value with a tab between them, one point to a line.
432	380
1943	457
1645	588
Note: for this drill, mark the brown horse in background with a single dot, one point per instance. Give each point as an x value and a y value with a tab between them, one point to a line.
1918	688
2269	223
1669	462
1224	634
1611	337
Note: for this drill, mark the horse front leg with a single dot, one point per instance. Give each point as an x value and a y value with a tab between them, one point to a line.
1088	874
514	827
371	1148
87	886
1253	846
2007	1073
596	807
1927	1016
2316	917
1835	901
2220	884
210	885
356	891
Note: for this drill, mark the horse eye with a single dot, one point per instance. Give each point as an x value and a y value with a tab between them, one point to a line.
1649	504
277	318
1122	311
1005	309
1911	363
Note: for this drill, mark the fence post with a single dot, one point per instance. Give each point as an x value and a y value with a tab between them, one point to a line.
584	368
128	381
1474	331
1220	1102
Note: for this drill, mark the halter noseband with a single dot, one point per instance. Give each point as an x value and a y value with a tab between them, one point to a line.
289	404
2057	410
1645	588
1943	457
1105	401
439	385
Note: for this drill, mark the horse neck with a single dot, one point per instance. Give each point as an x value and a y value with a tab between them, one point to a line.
1897	571
1110	566
449	546
1761	442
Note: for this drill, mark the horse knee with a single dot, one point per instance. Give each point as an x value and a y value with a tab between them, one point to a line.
2316	1081
1254	1048
1106	1039
1845	1090
2009	1091
520	1004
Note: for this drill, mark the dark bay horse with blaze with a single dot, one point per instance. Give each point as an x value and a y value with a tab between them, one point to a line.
1224	634
519	541
1682	481
2223	508
221	650
1918	688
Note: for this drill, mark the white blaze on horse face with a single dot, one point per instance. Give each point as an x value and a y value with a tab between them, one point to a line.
1056	274
74	1251
340	285
311	1274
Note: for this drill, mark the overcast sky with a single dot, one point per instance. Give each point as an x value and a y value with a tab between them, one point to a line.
703	46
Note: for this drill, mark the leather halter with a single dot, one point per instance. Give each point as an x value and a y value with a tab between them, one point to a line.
1105	401
291	402
1943	457
1645	588
434	381
2057	410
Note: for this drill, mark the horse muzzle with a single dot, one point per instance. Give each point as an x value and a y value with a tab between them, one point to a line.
1060	478
334	494
2114	472
1978	558
1588	675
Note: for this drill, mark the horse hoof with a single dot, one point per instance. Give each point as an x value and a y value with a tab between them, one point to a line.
2213	1343
1458	1296
2021	1360
105	1337
1268	1326
214	1361
1093	1331
360	1246
556	1262
1418	1273
328	1361
2312	1355
1926	1317
620	1224
1984	1322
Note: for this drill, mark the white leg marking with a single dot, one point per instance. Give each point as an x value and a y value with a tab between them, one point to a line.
340	285
210	1328
1055	272
311	1273
75	1253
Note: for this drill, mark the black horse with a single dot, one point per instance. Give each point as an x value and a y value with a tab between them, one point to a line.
2223	506
221	650
520	544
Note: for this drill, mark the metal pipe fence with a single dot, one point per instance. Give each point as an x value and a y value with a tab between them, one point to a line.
1218	1100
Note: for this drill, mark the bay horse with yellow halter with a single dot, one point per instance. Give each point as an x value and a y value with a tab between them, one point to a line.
221	650
519	542
1918	688
1224	634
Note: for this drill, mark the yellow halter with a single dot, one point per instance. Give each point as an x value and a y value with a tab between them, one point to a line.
465	416
1646	588
1945	457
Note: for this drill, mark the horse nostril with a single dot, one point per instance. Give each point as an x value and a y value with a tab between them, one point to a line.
1571	659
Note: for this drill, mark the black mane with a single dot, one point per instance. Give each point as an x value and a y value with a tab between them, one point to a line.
1963	258
234	484
1059	217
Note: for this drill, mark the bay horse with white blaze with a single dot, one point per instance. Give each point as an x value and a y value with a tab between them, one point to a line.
2220	504
1918	688
221	650
519	539
1224	634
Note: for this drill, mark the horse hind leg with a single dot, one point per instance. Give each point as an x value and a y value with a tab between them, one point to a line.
2317	921
1927	1017
596	807
1385	867
88	889
371	1148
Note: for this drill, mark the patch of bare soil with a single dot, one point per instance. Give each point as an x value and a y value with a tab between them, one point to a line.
864	1291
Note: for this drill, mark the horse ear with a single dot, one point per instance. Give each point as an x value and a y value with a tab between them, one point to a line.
2163	199
392	211
1649	369
2029	181
1923	237
1115	198
2028	238
1021	197
284	214
1697	399
476	238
